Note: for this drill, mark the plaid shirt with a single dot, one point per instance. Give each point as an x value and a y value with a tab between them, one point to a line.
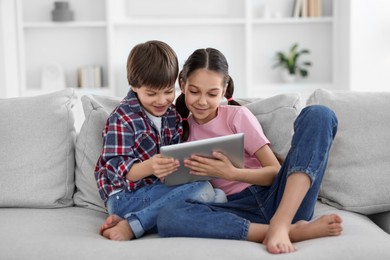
131	137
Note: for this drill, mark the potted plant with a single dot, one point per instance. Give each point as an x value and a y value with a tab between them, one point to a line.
291	63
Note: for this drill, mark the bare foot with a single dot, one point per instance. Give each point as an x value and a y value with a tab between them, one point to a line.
326	225
277	240
111	221
119	232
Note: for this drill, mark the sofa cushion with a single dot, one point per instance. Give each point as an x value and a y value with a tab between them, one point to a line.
358	174
72	234
276	116
37	138
88	148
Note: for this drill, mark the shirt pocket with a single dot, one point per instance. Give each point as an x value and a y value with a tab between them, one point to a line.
146	144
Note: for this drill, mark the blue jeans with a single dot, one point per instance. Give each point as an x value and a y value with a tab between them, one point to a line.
314	131
142	206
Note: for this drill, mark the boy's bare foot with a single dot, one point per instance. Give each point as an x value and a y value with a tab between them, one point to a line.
119	232
326	225
278	238
111	221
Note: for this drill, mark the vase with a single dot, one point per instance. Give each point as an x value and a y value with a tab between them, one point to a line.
61	12
287	77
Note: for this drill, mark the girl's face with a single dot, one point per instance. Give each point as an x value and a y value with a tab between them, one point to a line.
203	91
155	101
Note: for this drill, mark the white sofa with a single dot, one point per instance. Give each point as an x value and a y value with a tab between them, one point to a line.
50	208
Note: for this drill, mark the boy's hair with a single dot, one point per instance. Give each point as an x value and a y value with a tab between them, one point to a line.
153	64
210	59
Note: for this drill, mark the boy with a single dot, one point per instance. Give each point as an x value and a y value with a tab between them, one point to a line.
130	171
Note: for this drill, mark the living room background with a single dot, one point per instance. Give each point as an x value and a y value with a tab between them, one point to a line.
349	43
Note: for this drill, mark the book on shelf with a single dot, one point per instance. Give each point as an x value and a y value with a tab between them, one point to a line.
90	77
314	8
307	8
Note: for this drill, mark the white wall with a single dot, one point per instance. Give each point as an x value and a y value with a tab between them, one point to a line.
9	77
341	68
370	45
2	58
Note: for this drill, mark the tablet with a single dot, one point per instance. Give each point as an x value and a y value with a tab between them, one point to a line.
230	145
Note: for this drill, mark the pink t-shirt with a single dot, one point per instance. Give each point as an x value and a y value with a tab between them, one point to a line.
232	120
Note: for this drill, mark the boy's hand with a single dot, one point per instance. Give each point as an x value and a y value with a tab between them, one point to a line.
163	166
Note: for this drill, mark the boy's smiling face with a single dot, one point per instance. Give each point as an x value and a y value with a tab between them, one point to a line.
155	101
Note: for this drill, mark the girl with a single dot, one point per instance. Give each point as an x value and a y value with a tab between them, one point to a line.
266	203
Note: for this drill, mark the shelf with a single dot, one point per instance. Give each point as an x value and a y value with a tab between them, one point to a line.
104	91
51	25
303	88
211	21
300	84
178	22
292	20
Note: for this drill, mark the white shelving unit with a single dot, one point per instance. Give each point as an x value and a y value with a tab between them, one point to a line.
248	32
72	44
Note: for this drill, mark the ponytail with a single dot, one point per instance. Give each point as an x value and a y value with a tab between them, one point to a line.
229	92
184	113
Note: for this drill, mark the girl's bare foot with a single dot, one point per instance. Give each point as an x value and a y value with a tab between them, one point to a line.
326	225
120	232
277	240
111	221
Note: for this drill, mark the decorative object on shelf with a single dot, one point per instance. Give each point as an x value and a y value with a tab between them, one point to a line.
307	8
290	63
53	77
61	12
90	76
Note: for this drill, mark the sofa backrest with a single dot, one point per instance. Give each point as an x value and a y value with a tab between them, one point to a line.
37	139
358	172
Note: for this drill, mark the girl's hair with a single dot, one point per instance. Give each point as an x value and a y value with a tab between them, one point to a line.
153	64
210	59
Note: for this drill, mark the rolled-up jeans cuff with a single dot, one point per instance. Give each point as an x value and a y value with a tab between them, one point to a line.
302	170
244	235
136	227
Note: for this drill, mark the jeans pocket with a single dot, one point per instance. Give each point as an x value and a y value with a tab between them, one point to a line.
123	203
112	204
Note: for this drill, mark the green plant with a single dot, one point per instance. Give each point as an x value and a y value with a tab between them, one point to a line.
290	61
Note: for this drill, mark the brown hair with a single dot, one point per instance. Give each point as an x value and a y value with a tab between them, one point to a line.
210	59
153	64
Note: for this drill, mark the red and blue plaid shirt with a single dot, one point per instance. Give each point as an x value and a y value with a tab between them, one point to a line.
130	137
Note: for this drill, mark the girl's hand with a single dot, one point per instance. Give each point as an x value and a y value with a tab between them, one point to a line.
219	166
163	166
